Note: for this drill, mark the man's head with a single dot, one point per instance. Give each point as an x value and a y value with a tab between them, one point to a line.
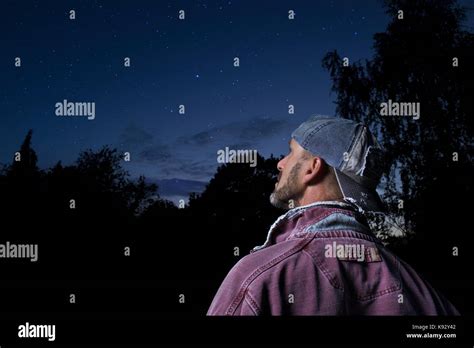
332	159
303	179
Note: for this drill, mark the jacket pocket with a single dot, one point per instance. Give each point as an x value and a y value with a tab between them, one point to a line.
362	269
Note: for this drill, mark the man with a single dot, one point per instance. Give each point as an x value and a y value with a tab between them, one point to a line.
320	258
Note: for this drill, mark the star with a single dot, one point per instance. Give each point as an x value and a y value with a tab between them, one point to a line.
197	76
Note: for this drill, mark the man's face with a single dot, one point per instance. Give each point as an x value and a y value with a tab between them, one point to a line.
289	187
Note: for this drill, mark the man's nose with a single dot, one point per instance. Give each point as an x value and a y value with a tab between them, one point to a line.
280	164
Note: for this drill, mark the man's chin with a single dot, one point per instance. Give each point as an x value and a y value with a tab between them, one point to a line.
277	203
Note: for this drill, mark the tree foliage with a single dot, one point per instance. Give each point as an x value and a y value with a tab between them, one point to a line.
425	57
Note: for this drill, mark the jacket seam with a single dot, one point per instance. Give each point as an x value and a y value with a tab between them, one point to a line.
389	290
252	303
325	272
350	234
241	294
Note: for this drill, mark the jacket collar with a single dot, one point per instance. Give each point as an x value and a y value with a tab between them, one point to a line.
286	223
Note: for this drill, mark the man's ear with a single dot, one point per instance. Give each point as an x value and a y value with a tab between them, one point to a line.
314	170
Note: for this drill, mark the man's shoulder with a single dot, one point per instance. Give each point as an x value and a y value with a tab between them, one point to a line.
257	273
257	263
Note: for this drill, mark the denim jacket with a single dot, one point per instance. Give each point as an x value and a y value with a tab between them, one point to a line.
322	259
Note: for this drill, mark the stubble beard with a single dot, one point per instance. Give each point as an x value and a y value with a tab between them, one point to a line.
281	197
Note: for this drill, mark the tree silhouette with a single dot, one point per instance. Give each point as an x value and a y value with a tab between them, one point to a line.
101	189
21	184
239	195
139	195
424	57
232	215
103	168
25	164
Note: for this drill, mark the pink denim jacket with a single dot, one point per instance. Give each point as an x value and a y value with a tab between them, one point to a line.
322	259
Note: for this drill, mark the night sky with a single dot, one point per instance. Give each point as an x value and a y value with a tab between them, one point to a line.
173	62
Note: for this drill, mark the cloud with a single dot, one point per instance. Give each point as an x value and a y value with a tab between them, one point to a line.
262	127
250	131
156	153
199	139
194	157
199	169
139	141
133	137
